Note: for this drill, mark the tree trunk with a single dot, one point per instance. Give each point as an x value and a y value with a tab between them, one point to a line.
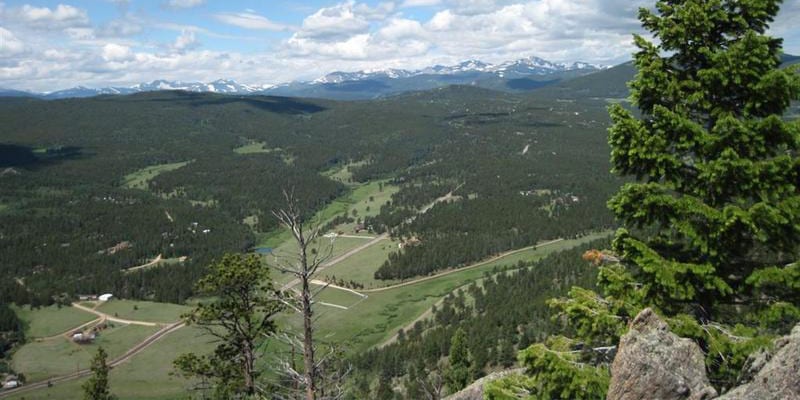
248	361
308	343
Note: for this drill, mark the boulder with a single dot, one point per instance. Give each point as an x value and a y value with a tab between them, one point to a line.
653	363
475	390
778	378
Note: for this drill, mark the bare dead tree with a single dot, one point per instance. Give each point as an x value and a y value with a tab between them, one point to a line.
303	266
433	383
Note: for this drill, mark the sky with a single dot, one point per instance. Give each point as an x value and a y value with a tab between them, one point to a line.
51	45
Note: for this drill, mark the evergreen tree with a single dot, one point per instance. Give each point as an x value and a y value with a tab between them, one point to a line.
458	372
710	237
96	388
716	166
240	317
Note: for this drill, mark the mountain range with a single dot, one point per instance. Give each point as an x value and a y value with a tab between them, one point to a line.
518	75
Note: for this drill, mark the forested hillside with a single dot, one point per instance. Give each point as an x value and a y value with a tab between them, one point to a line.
502	313
108	183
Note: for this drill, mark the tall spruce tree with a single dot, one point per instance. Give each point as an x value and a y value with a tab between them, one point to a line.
712	217
96	387
458	373
717	196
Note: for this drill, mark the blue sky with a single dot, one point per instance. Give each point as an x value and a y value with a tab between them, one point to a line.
51	45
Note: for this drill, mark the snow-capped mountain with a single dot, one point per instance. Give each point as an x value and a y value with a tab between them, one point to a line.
369	83
226	86
522	67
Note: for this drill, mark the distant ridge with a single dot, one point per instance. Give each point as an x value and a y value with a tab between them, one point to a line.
360	84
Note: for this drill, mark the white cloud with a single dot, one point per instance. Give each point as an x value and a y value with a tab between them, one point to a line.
250	20
185	41
127	25
62	16
334	23
80	33
420	3
9	44
67	50
116	52
178	4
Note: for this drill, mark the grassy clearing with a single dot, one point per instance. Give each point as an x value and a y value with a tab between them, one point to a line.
361	266
288	251
59	356
146	376
343	174
377	318
50	321
253	148
336	296
140	178
358	199
144	310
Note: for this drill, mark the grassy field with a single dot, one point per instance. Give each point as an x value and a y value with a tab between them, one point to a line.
59	356
368	322
361	266
144	310
252	148
337	296
50	321
358	199
288	251
377	318
343	173
140	178
146	376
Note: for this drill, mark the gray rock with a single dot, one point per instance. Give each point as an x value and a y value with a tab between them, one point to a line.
653	363
475	390
779	379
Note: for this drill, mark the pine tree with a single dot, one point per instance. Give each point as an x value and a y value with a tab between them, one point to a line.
711	233
458	372
240	316
717	197
96	388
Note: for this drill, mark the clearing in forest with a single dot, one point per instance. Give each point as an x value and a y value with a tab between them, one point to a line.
139	179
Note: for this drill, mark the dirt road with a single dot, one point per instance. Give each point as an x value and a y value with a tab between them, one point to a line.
339	259
113	363
453	271
150	264
113	318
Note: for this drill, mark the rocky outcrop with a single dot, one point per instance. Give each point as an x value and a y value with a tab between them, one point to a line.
654	363
475	390
779	378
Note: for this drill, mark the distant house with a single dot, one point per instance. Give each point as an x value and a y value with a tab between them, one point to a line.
105	297
84	297
358	228
83	338
11	382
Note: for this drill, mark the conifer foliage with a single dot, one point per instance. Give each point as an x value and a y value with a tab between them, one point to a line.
96	388
717	167
710	221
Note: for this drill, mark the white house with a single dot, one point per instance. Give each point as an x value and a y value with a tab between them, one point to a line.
105	297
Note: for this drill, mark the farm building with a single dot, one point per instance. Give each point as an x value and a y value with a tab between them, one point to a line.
105	297
11	382
83	338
